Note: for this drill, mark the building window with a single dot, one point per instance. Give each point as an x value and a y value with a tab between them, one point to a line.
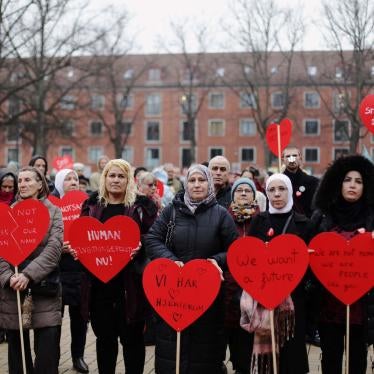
278	100
247	127
311	100
220	72
216	127
312	71
97	102
152	131
247	100
340	152
153	104
14	106
67	128
128	154
154	75
188	104
186	157
67	102
94	153
96	128
126	128
152	157
12	154
213	152
125	101
311	127
186	131
311	154
66	151
216	100
338	73
248	154
128	74
341	131
12	133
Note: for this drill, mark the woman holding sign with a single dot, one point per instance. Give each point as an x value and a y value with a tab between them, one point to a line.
71	274
203	230
344	202
116	308
290	315
38	275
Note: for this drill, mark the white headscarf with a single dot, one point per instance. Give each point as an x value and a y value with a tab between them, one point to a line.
283	178
59	180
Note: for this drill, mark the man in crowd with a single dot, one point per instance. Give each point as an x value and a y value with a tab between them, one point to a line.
220	168
304	185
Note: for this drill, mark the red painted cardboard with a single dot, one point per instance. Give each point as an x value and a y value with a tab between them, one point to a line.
181	295
22	228
104	248
344	267
63	162
70	206
269	272
159	188
285	135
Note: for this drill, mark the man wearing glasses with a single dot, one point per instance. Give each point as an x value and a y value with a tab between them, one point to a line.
220	168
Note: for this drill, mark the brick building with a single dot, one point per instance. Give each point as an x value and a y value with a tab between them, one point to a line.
152	92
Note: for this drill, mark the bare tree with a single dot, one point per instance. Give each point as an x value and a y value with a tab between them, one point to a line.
194	74
116	75
45	41
349	32
267	37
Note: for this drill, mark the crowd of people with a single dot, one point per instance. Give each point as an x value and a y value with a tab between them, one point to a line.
198	216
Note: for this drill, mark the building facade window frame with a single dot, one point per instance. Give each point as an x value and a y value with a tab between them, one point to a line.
307	131
153	104
254	154
96	128
317	160
215	150
242	122
312	100
152	164
128	154
216	100
341	136
94	153
155	135
213	127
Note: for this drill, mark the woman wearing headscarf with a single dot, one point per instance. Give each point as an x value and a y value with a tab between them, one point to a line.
38	269
116	308
203	230
289	316
243	208
344	203
71	272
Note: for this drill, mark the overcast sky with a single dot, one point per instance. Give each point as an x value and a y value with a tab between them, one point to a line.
151	19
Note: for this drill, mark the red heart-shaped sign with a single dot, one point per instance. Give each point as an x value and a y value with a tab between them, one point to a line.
159	188
366	112
269	272
22	228
285	131
70	205
104	248
344	267
181	295
63	162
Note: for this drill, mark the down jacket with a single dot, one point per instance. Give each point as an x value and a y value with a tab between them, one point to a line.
205	234
43	261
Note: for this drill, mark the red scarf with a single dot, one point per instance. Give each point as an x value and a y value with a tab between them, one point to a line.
6	197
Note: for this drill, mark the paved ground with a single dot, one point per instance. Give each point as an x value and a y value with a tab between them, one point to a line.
90	356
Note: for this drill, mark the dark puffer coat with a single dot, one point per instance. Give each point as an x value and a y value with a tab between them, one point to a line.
206	234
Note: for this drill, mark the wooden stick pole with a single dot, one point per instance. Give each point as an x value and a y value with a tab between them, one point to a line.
347	342
279	148
273	342
178	358
20	326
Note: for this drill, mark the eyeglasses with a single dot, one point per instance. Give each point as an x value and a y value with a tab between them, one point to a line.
152	184
246	191
280	189
221	168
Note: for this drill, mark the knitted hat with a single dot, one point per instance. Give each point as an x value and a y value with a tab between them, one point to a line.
239	181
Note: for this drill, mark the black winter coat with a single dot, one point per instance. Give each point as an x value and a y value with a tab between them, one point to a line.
223	196
293	357
304	187
324	223
205	234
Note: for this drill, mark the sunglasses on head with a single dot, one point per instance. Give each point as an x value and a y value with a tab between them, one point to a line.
221	168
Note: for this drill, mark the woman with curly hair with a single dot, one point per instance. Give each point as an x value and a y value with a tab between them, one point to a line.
344	203
116	308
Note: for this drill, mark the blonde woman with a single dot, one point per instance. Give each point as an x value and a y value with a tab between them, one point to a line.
116	308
